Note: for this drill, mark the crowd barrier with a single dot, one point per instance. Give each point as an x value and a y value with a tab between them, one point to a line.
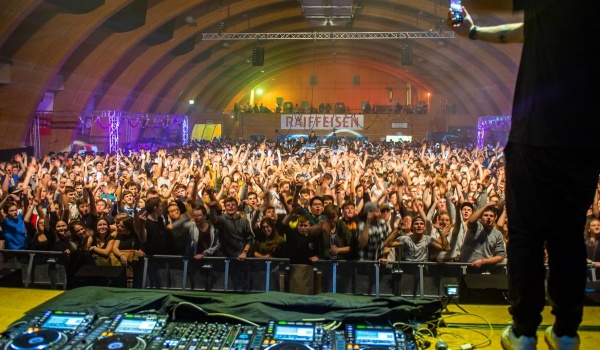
43	269
38	268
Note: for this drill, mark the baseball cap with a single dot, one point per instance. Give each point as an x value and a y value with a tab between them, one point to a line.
14	190
385	206
369	207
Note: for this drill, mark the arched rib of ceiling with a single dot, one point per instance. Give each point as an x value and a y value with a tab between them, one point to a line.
37	49
13	13
90	65
154	59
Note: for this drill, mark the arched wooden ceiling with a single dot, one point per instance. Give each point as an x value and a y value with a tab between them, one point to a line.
99	62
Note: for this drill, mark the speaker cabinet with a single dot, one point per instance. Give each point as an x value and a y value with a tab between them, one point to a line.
407	55
101	276
483	289
258	56
11	278
592	293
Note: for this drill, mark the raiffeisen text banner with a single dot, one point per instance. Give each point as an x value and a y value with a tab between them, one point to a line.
322	121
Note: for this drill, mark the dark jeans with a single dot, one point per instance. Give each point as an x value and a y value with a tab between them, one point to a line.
548	191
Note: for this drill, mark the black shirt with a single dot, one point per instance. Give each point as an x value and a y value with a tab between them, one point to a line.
159	241
555	102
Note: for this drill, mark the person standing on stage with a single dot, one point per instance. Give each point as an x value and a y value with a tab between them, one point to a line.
548	159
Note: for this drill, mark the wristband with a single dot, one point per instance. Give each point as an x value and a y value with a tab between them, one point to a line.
473	32
482	261
245	251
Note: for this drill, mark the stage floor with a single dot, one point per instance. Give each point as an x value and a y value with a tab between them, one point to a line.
461	328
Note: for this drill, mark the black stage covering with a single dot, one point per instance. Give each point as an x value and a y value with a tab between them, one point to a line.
259	308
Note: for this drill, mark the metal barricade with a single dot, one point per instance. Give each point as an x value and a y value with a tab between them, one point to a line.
401	278
39	267
158	273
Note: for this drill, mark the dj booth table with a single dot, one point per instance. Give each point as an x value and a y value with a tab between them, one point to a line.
101	318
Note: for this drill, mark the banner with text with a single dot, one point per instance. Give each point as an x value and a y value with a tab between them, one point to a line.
322	121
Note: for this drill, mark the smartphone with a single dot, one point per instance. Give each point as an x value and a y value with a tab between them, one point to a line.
456	7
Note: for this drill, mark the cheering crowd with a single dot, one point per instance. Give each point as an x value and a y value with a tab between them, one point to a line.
379	201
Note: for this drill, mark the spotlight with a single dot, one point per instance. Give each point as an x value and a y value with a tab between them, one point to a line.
192	101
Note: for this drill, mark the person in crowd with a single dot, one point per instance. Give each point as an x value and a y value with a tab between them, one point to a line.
273	245
315	210
592	244
334	236
182	234
158	239
102	243
127	239
235	236
302	248
13	234
417	246
483	245
350	219
205	240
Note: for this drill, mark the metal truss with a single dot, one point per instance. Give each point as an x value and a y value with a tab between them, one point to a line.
114	118
329	35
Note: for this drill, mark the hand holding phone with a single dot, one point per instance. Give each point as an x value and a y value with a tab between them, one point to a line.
457	10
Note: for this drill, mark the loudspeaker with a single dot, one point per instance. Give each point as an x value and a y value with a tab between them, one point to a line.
162	34
483	289
592	293
11	278
130	17
258	56
406	55
101	276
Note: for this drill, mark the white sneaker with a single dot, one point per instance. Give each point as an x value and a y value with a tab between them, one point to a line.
560	343
511	342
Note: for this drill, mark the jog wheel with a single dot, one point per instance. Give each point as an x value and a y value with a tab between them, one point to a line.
43	339
289	346
117	342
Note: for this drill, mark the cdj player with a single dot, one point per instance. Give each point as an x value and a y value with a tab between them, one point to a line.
58	330
51	330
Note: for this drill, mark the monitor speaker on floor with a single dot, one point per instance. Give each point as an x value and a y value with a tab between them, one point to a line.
100	276
11	278
592	293
484	289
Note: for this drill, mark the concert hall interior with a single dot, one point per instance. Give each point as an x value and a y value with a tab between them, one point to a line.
254	174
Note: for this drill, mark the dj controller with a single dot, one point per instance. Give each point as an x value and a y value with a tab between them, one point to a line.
81	331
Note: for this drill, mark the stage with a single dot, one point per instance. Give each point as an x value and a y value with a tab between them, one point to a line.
473	328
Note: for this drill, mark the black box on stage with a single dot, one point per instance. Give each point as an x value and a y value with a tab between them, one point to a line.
11	278
100	276
592	293
483	289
